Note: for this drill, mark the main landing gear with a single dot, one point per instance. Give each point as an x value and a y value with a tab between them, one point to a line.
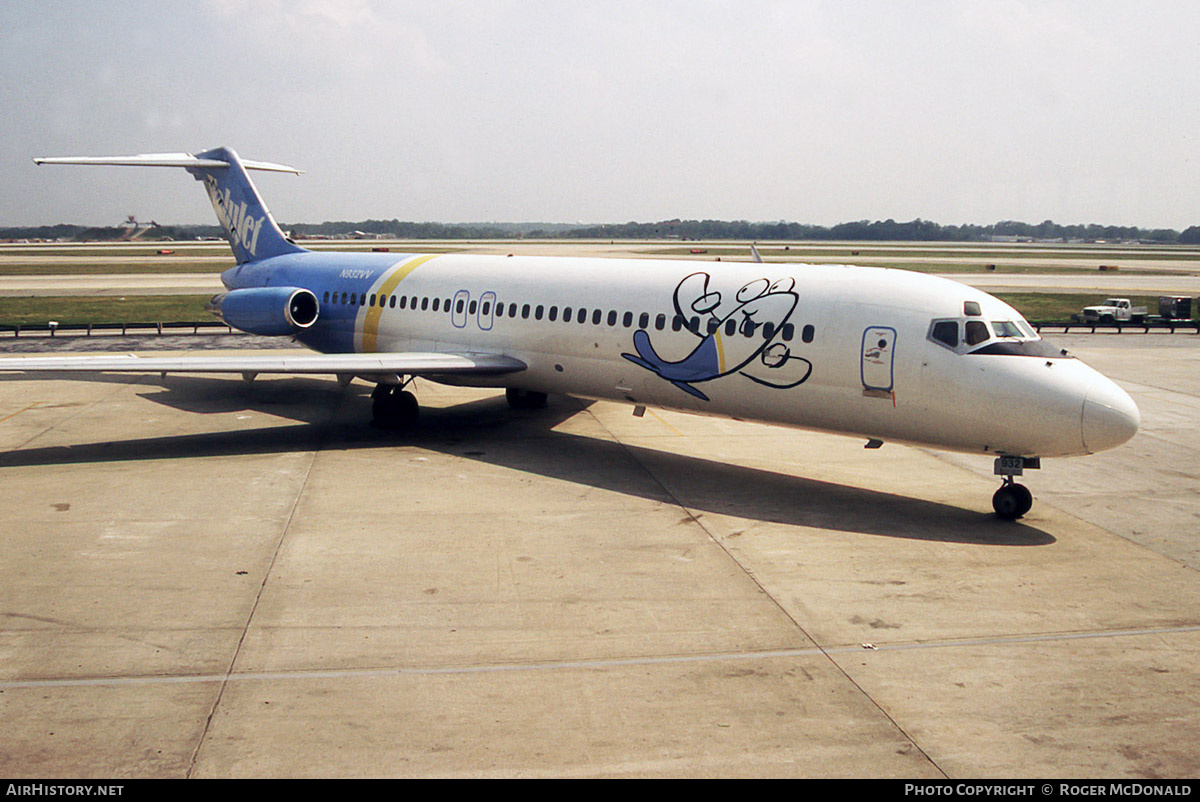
524	399
1012	500
393	407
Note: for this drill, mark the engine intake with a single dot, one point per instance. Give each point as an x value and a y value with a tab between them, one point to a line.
270	311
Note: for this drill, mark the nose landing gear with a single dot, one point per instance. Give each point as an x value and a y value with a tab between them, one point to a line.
1012	500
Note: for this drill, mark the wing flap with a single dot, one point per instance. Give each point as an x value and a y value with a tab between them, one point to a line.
411	363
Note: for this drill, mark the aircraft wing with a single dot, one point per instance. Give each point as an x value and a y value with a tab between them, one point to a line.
412	364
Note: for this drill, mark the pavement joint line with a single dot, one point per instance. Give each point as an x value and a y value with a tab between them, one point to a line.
567	665
19	411
83	408
237	651
828	655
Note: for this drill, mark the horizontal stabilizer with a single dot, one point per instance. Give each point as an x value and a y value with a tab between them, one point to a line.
410	364
164	160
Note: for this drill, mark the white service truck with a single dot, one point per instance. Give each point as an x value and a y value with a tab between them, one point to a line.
1114	310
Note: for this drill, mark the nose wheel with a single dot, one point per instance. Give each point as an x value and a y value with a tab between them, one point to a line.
1012	500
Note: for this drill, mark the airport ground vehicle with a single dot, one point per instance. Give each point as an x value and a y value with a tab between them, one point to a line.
1114	310
1174	307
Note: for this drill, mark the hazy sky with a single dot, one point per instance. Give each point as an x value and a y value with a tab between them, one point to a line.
817	112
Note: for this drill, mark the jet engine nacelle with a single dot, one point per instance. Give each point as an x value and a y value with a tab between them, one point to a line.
267	310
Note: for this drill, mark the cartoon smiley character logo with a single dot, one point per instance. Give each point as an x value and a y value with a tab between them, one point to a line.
747	339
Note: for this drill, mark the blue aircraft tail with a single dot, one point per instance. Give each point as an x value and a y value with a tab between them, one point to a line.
251	230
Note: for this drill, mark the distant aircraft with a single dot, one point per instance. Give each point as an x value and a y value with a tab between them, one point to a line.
875	353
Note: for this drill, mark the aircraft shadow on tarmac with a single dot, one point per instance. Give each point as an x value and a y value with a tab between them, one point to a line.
486	430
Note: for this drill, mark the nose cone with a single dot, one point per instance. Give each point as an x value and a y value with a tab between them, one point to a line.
1110	417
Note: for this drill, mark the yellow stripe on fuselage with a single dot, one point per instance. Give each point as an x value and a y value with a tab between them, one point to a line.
720	351
370	335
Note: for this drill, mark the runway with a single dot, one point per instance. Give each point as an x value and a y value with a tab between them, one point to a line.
1098	284
208	578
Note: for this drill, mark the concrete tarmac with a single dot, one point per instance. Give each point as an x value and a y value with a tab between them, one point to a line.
1144	269
208	578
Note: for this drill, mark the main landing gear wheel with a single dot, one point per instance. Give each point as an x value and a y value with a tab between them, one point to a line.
1012	500
524	399
393	407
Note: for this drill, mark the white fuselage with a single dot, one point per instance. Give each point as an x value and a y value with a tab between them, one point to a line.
835	348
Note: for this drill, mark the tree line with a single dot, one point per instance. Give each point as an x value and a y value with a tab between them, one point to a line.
914	231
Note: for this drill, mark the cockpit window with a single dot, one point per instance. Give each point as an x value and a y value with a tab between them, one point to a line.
976	332
1006	328
945	332
971	309
1014	337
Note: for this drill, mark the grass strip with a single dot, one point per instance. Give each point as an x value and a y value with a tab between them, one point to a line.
74	310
